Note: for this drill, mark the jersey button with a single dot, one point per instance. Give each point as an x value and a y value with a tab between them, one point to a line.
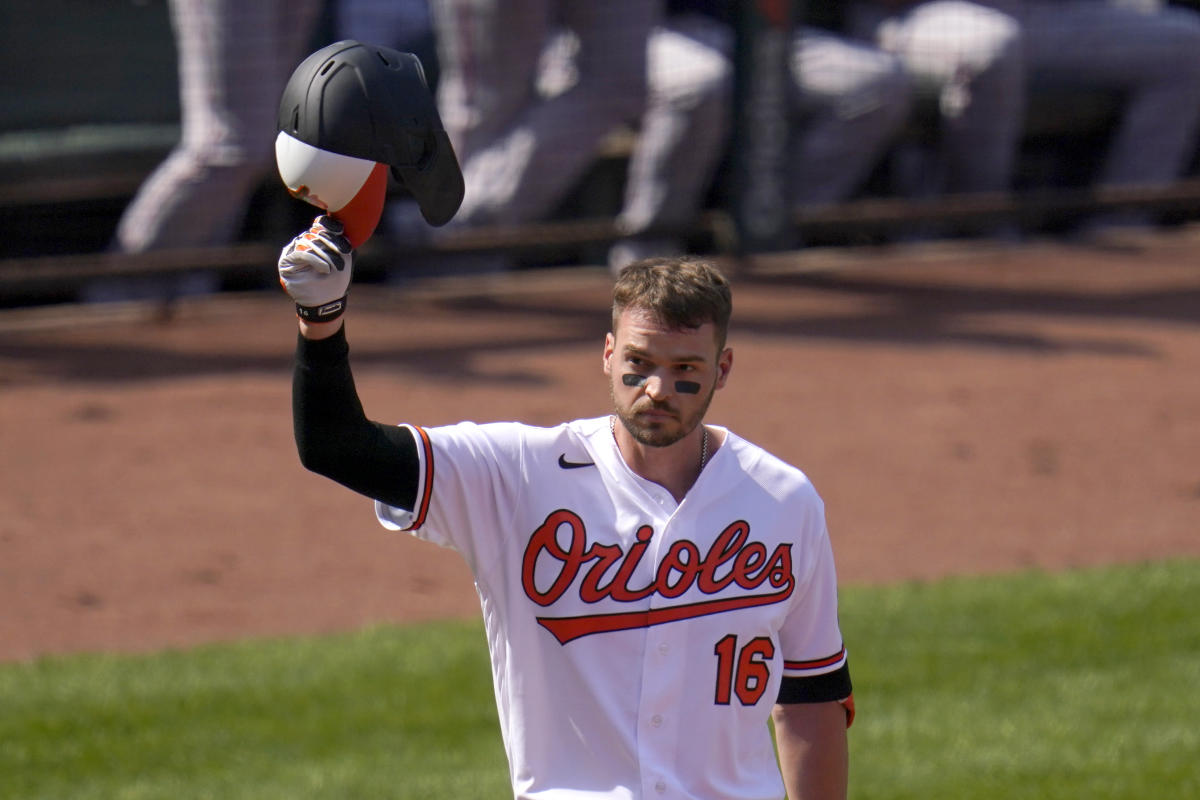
664	648
656	720
660	787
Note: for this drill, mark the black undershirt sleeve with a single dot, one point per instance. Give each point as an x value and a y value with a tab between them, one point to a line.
830	687
334	436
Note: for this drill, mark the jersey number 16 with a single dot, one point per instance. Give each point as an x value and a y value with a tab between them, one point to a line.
745	672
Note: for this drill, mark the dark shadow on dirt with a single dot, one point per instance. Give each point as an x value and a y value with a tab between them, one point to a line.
894	310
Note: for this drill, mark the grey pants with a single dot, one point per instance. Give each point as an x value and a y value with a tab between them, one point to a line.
982	58
522	142
1153	56
234	59
848	100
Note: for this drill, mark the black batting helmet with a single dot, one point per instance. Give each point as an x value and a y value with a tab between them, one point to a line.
373	103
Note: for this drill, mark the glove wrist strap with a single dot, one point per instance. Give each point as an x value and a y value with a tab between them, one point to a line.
326	312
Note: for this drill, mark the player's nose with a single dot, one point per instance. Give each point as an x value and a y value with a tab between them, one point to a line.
656	387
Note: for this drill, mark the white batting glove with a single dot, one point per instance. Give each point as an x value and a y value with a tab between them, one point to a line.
315	269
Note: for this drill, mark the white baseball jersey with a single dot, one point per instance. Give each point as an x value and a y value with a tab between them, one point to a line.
637	644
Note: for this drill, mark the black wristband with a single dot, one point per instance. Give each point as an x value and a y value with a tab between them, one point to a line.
327	312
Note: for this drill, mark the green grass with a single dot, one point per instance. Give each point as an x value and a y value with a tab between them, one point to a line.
385	713
1083	684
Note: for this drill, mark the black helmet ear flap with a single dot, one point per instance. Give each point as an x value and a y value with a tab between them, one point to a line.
437	190
374	103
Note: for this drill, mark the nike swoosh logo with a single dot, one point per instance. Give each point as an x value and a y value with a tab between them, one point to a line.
562	462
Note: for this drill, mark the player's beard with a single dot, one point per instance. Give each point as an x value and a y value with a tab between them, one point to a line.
657	434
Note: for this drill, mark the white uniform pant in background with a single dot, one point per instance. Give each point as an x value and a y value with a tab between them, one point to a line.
969	57
847	102
1151	56
521	150
234	59
984	58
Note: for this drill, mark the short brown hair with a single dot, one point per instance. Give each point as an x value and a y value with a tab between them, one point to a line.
683	292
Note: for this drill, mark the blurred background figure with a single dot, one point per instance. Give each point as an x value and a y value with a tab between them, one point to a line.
404	25
524	142
848	99
982	59
407	26
1144	50
234	59
965	60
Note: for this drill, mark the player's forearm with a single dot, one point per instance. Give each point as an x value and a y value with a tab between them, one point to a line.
333	435
316	331
813	751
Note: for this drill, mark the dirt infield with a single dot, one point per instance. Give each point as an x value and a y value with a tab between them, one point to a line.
960	410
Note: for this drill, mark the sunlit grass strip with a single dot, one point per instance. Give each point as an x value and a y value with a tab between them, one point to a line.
384	713
1083	684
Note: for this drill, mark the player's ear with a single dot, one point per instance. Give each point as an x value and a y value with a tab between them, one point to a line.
724	366
610	343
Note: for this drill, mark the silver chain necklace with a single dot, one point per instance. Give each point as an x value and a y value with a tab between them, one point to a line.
612	427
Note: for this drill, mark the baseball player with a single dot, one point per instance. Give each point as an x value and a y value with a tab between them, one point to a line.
984	57
848	102
653	587
233	59
522	151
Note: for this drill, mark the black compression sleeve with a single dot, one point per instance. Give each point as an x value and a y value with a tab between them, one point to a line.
334	436
831	686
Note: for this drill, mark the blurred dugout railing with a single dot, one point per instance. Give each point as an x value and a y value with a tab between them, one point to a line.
90	109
